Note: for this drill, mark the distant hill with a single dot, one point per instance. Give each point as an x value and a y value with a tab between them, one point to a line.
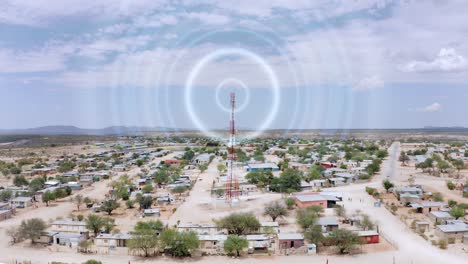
73	130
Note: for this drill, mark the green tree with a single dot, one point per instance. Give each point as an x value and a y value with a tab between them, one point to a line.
235	244
437	196
340	211
239	223
179	244
404	158
221	167
345	240
95	223
130	204
275	210
144	201
450	185
387	185
20	180
202	167
109	206
290	203
289	181
366	223
259	178
313	174
78	200
6	195
48	196
92	261
32	228
314	234
147	188
307	217
457	212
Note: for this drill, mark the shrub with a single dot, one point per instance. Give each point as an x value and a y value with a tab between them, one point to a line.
451	185
443	244
451	240
370	190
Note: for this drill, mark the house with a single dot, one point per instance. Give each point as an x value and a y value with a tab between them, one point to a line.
267	227
119	167
4	206
152	212
328	224
457	231
408	198
21	202
203	158
212	243
112	240
422	226
45	238
75	186
368	236
202	229
255	167
440	217
310	185
290	240
51	183
427	207
70	226
258	242
299	166
307	200
5	214
336	181
43	171
348	177
68	239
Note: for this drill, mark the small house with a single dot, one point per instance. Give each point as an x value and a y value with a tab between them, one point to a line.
290	240
440	217
21	202
70	226
112	240
258	242
328	224
369	236
456	231
255	167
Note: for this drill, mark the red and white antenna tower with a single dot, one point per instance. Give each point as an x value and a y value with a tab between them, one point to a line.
232	186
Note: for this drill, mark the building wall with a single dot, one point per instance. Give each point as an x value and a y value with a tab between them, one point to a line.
322	204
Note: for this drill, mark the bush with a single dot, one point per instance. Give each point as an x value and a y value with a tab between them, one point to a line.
443	244
451	240
451	185
290	203
371	190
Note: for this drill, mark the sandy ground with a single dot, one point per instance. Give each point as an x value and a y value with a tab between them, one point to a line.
410	247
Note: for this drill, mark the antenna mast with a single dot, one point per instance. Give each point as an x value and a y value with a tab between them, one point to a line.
232	186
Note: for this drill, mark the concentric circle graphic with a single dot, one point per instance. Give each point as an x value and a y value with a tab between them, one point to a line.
218	54
233	83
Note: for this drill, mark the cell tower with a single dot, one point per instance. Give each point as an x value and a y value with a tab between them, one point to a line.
232	186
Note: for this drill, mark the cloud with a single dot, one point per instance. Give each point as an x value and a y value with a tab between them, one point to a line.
434	107
369	83
448	60
210	19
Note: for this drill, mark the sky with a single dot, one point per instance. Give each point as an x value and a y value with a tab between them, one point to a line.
292	64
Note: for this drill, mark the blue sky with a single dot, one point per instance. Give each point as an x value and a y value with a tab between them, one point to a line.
337	64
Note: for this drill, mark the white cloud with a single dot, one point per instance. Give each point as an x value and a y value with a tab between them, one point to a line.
448	60
210	19
434	107
369	83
